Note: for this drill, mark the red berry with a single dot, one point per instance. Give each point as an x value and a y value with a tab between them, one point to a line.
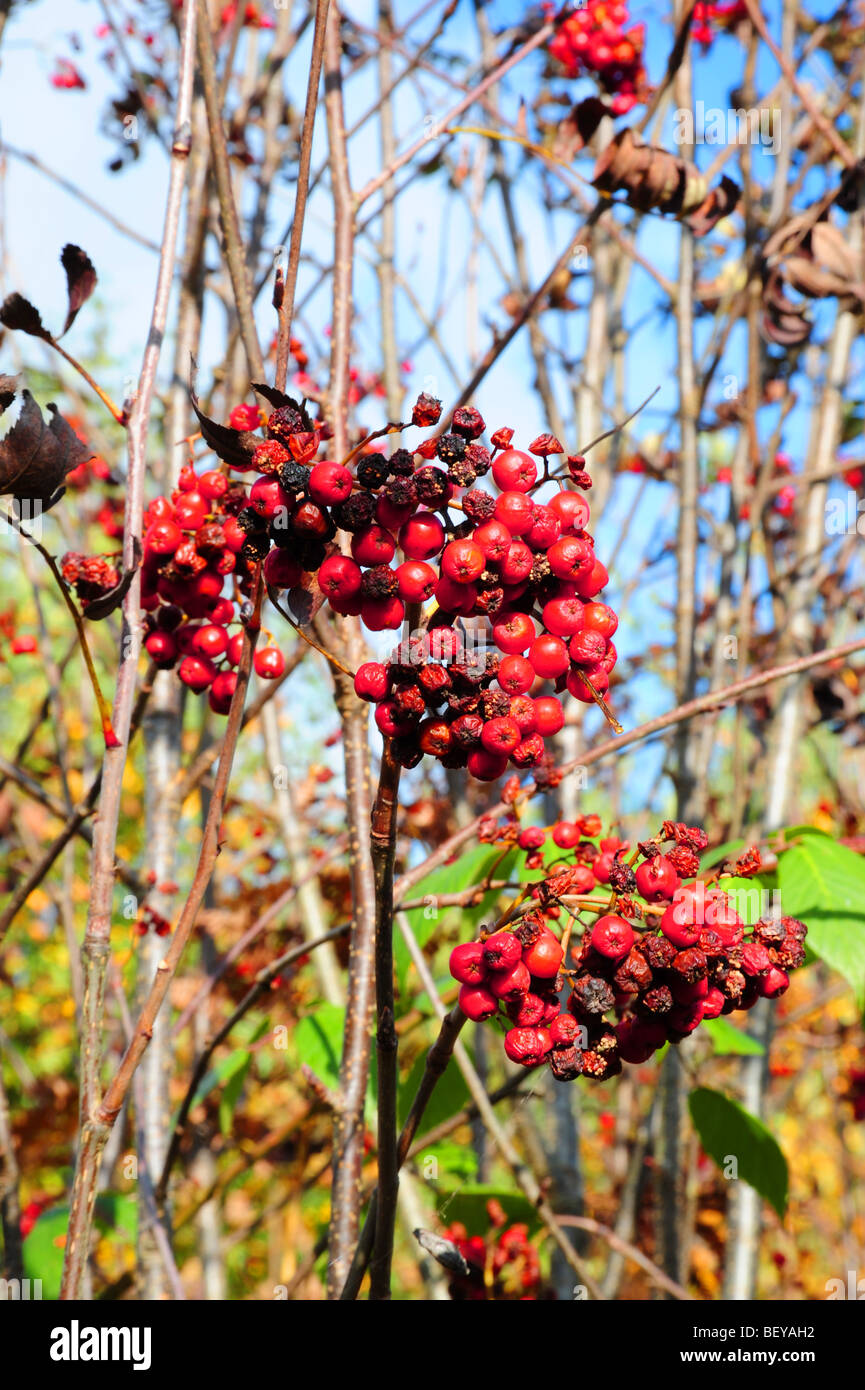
510	985
463	561
543	959
566	834
587	648
545	529
572	509
452	597
591	582
570	557
235	536
528	1046
389	721
549	656
160	647
197	672
564	1030
517	564
638	1040
522	711
773	983
531	838
373	546
371	681
417	581
210	640
421	537
601	618
529	752
563	616
213	484
513	632
515	511
467	963
477	1003
500	735
502	951
494	540
390	515
485	766
329	483
282	570
657	879
219	697
612	937
516	675
578	687
235	648
380	615
339	577
191	511
513	471
549	715
163	538
269	663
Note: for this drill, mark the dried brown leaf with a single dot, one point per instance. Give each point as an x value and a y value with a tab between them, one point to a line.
35	457
80	279
18	314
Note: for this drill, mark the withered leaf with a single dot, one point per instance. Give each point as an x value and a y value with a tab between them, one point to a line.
654	179
278	399
80	279
234	447
578	127
8	391
21	316
719	202
35	457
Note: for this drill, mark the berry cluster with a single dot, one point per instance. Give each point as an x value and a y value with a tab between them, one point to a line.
504	1265
529	569
378	540
721	16
594	40
89	575
662	955
192	541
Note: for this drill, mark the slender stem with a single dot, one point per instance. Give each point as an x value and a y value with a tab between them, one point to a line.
100	1120
383	847
96	947
287	292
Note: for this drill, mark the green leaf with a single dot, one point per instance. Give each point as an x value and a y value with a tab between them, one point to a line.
42	1255
728	1131
318	1039
223	1071
468	1204
231	1093
728	1040
751	897
457	1160
720	853
823	883
450	1095
470	869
